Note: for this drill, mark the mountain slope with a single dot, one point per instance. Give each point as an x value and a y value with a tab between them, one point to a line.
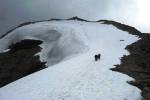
76	76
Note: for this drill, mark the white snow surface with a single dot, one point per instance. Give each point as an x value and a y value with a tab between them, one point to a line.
72	74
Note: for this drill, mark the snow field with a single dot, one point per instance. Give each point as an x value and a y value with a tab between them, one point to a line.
69	48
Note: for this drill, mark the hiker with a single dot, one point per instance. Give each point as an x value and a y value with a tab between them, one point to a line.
97	57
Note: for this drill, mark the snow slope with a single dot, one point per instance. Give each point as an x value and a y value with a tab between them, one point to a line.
69	48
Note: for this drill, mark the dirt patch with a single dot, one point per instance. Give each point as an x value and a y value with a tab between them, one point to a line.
20	61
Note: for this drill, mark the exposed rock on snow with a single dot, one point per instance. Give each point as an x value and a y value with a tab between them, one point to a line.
137	65
123	27
24	44
20	61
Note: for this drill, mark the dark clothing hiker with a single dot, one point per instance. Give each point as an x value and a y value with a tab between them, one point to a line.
97	57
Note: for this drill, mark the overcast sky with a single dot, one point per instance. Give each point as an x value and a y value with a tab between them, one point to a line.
14	12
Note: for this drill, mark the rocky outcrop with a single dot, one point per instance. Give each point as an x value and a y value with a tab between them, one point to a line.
20	61
123	27
137	64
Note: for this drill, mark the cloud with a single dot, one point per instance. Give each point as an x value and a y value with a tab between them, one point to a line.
14	12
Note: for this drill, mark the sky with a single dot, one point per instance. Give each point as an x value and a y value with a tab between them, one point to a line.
132	12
